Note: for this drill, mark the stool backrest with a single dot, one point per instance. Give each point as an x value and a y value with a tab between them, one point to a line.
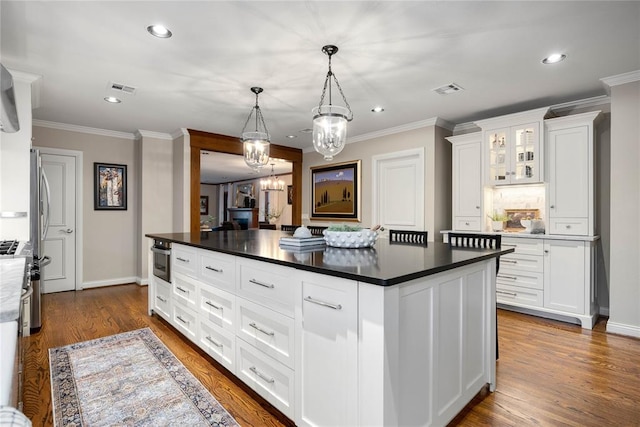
466	240
408	237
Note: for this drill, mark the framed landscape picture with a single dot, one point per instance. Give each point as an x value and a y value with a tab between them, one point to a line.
335	191
110	186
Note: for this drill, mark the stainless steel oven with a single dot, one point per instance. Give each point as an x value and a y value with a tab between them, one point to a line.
162	259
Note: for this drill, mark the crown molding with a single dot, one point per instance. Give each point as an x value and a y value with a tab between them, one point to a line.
35	80
179	133
83	129
150	134
435	121
468	127
596	101
620	79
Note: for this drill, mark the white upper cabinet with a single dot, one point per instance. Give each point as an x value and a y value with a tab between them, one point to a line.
570	174
467	181
512	151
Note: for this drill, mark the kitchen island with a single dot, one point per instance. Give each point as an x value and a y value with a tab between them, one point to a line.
389	335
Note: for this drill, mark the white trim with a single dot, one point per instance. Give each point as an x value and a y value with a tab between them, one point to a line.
622	329
595	101
435	121
110	282
83	129
156	135
179	133
620	79
142	282
79	155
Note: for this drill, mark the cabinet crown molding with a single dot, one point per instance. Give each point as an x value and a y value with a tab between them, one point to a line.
513	119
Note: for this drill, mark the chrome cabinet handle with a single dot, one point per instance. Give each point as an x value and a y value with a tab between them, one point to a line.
507	277
161	299
266	285
568	226
511	294
182	259
509	261
213	269
466	223
258	328
261	375
511	246
214	342
477	207
323	303
182	290
186	322
209	303
552	206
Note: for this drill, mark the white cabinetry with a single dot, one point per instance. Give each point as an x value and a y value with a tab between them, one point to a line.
327	366
467	182
512	148
570	170
549	276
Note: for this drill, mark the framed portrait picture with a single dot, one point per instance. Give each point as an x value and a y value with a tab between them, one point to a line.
335	191
110	186
204	205
289	194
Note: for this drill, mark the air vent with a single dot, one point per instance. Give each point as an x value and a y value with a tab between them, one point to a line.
448	89
118	87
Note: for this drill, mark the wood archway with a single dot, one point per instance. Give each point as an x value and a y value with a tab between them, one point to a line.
200	140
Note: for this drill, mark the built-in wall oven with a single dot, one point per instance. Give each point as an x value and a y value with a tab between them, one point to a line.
162	259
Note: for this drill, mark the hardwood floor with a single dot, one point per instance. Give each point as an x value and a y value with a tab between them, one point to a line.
549	373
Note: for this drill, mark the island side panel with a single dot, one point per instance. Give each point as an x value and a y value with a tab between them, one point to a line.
426	347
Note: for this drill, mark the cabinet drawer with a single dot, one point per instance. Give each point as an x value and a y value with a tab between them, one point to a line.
531	280
218	343
218	269
270	332
464	223
523	245
183	260
521	262
185	290
273	287
185	320
162	301
569	226
269	378
520	296
217	306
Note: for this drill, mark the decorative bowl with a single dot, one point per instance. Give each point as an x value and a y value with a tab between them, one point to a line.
364	238
344	257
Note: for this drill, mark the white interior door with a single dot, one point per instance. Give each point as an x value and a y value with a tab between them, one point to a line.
60	242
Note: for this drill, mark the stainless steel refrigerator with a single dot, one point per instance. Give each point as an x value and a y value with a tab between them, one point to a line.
39	218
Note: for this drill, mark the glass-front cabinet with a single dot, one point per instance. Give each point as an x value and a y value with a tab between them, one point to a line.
512	148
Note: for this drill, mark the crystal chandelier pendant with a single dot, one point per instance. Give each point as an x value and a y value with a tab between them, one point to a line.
256	144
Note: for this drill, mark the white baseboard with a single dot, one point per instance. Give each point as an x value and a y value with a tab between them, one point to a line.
142	282
110	282
622	329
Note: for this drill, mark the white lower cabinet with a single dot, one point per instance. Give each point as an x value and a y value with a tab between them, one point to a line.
218	343
162	299
185	320
565	274
217	306
327	365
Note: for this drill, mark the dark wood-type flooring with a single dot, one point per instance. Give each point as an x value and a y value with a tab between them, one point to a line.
549	373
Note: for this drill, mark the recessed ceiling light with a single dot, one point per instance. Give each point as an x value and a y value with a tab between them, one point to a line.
307	130
377	109
112	99
159	31
292	136
554	58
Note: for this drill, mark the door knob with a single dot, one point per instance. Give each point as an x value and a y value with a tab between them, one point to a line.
68	231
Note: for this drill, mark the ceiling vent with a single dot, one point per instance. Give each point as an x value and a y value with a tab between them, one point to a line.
118	87
448	89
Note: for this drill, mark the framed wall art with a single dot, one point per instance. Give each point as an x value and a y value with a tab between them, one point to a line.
289	194
335	191
110	186
204	205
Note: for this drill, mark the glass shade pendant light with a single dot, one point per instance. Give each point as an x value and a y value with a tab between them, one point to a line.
330	121
256	143
272	183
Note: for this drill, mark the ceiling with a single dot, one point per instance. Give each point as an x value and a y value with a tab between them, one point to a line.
391	53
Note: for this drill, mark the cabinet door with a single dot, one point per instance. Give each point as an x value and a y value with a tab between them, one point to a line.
525	154
327	366
498	166
564	275
569	173
467	181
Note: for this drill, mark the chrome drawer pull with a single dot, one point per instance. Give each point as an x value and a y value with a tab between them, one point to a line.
213	305
261	375
507	277
324	304
256	327
214	342
161	299
186	322
182	290
511	294
510	261
213	269
266	285
511	246
182	259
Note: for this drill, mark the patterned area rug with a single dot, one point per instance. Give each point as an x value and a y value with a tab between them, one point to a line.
125	380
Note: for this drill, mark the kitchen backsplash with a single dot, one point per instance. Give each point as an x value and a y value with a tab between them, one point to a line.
518	197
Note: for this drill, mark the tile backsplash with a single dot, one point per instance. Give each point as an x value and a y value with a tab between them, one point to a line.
517	197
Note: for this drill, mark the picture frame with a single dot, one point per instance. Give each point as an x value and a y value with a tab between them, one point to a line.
335	191
289	194
516	215
204	205
110	186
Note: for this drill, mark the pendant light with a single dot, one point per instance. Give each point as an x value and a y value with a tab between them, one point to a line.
256	143
330	121
272	183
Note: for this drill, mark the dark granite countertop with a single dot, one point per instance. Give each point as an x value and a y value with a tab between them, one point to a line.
383	264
